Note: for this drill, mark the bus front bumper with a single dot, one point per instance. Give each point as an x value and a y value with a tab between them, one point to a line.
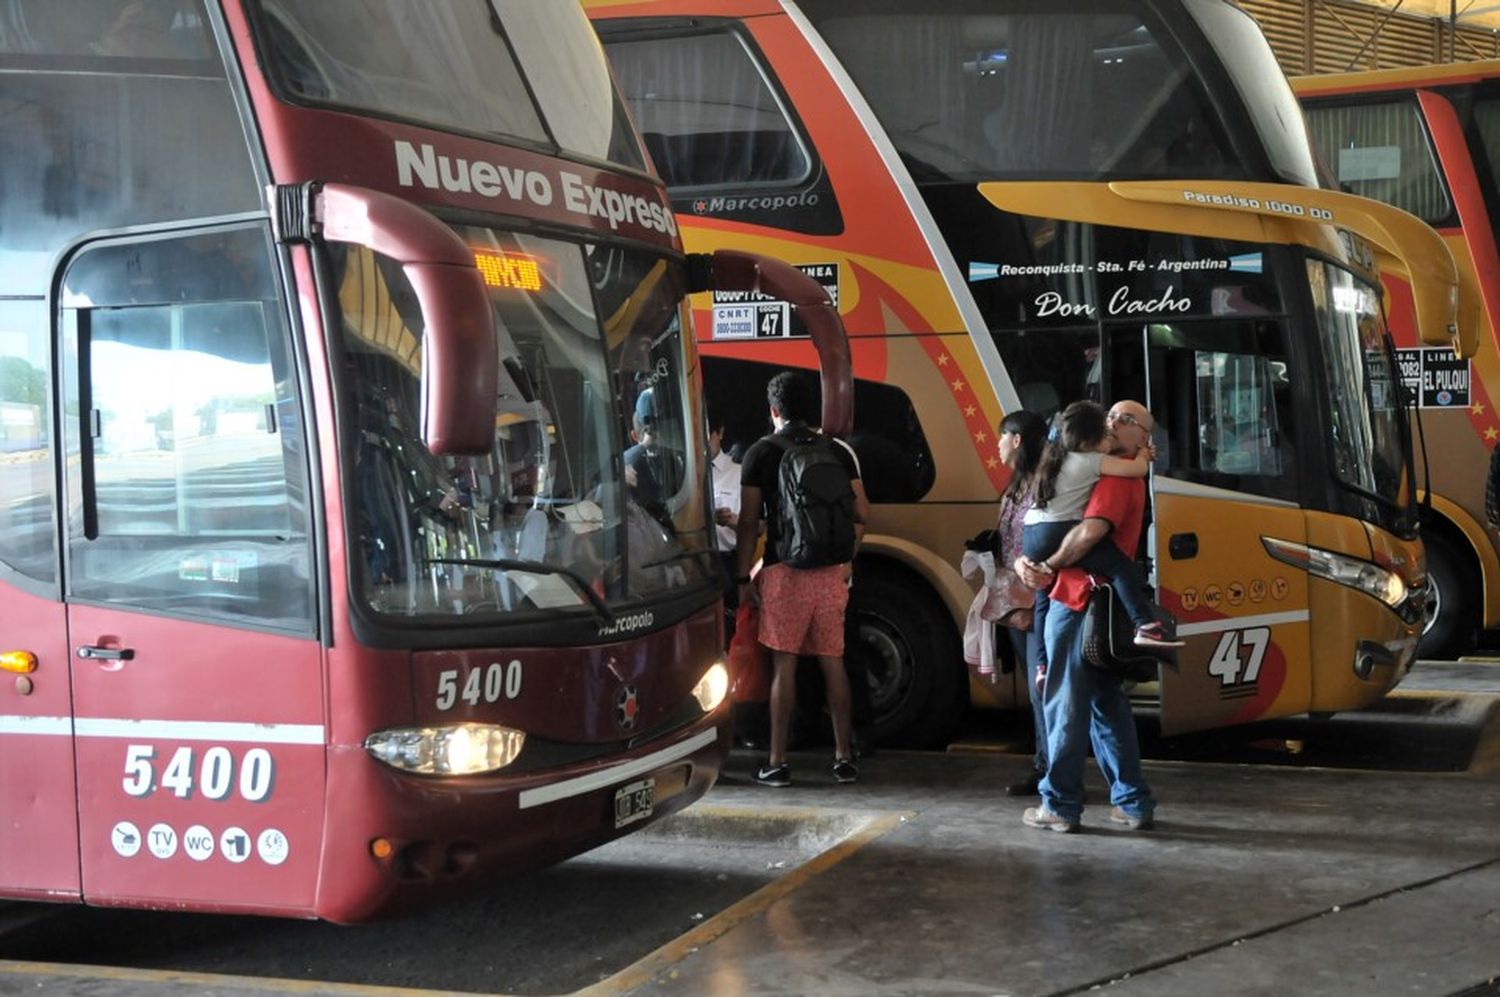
397	840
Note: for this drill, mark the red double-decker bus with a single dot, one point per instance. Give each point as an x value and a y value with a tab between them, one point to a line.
323	330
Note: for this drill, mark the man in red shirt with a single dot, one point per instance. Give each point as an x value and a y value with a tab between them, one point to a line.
1078	699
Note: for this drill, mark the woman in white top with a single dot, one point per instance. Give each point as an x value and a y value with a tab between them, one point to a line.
1077	454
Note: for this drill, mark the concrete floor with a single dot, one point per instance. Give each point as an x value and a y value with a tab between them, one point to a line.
1257	880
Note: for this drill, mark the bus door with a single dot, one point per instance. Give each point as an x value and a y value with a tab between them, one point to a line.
1224	481
197	685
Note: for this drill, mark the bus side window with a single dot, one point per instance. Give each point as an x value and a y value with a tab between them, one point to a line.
751	140
896	463
1224	396
1237	425
96	94
1382	151
188	493
27	535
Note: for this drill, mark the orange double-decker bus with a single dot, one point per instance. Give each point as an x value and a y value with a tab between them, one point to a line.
1427	140
1019	205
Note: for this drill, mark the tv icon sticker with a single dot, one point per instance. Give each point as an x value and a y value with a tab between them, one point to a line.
162	841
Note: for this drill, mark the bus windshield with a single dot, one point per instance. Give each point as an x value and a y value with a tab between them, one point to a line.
1367	417
1063	91
1268	96
438	63
594	480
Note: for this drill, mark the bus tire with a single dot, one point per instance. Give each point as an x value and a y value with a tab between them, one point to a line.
909	648
1453	609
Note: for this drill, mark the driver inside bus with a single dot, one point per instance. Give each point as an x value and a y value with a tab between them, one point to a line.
653	472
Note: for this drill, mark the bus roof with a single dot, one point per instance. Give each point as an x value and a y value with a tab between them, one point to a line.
1393	79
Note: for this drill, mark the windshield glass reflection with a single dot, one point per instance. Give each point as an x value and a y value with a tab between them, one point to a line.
593	493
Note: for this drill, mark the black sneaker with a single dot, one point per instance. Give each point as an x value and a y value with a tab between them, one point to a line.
844	770
779	776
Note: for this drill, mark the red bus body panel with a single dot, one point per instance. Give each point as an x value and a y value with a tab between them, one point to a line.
38	822
449	833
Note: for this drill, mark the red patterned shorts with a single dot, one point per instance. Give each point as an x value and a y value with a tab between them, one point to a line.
802	609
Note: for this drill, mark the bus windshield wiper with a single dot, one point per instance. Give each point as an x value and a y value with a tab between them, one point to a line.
583	588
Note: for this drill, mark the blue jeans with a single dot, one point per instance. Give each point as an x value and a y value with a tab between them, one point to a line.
1024	642
1083	704
1040	541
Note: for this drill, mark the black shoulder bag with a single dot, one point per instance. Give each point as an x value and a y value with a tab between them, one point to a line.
1109	640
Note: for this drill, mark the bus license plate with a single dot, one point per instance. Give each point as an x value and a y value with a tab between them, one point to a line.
634	802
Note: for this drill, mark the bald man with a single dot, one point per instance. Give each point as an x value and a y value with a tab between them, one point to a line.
1074	692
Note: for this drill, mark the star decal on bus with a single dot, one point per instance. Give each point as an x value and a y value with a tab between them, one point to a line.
627	707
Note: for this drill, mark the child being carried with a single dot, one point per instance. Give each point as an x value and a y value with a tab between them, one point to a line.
1077	453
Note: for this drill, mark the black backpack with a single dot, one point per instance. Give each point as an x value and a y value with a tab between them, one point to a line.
815	507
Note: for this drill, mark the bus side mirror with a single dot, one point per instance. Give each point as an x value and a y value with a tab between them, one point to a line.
733	270
460	350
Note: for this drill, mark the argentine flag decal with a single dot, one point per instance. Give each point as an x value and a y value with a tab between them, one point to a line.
983	271
1245	263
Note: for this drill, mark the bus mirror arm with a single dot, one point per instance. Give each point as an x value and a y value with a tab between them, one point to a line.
1413	409
733	270
460	349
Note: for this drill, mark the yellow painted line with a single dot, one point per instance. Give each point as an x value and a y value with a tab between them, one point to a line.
202	981
732	811
985	748
644	970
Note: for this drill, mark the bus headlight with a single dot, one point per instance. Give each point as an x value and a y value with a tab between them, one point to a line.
457	749
1371	579
712	687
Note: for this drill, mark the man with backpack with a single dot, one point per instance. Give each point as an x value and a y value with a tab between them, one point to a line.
806	487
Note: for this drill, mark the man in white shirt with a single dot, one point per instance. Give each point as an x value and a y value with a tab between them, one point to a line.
726	474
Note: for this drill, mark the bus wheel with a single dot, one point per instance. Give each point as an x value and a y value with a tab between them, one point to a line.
906	645
1453	603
